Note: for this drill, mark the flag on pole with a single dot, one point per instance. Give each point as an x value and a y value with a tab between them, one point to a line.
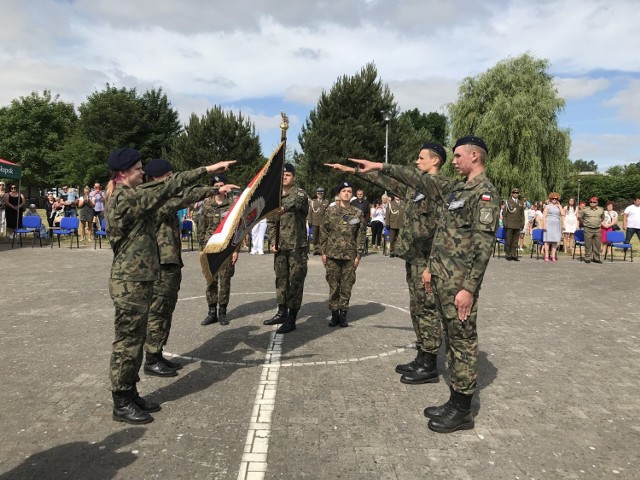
262	195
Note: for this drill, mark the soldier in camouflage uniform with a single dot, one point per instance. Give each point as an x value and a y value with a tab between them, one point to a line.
315	217
130	215
165	289
290	250
218	292
342	245
461	250
414	246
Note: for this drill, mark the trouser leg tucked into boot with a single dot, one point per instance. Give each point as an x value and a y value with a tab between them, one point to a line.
427	371
279	317
289	324
343	318
412	365
222	314
212	316
335	318
154	366
457	416
125	410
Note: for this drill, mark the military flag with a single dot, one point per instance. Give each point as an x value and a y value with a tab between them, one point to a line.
262	195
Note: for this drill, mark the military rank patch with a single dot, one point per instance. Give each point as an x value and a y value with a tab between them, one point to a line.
485	197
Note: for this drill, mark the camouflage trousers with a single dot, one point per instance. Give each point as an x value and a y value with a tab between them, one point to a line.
219	290
165	297
341	276
462	337
424	312
131	301
290	267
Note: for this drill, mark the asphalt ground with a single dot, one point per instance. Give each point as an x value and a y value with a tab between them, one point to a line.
559	392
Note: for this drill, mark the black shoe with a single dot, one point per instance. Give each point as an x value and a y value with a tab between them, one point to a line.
159	369
125	410
427	371
507	258
342	318
403	368
515	259
146	405
289	324
433	412
170	364
279	317
222	315
212	316
456	415
335	318
587	261
597	261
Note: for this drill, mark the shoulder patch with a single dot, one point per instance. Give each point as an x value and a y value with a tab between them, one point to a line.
486	215
486	197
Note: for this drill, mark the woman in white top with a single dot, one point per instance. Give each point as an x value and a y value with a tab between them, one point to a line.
610	219
570	225
377	224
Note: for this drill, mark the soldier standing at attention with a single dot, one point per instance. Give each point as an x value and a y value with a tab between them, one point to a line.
317	208
513	219
218	292
342	244
130	212
165	289
414	246
461	250
290	252
395	217
591	219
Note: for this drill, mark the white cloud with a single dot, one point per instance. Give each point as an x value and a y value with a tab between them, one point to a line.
606	149
628	102
580	87
427	95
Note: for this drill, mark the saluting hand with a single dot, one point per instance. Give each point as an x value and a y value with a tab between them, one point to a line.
365	166
220	166
224	189
339	166
464	302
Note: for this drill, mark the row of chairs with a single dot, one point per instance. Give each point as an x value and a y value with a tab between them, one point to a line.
68	228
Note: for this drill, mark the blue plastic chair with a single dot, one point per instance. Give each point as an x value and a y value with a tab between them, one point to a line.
98	235
186	231
30	225
537	241
385	240
616	239
68	227
501	240
578	239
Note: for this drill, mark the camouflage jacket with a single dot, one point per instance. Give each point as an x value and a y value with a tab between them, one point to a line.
211	215
420	218
168	224
316	211
343	232
293	222
465	236
131	221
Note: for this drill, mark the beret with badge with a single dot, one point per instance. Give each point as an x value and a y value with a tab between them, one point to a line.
123	159
219	179
342	185
288	167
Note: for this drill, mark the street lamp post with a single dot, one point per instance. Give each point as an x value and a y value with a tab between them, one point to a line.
578	202
386	116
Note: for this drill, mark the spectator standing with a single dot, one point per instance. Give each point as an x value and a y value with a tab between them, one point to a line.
14	206
97	197
3	221
85	206
394	219
257	237
70	198
610	219
363	204
317	207
552	219
631	220
48	207
514	220
377	224
591	219
570	225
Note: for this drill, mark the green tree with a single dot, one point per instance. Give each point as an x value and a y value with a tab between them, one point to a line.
32	130
432	126
584	166
160	124
347	122
514	107
216	136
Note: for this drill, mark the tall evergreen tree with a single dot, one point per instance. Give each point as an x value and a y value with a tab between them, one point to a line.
216	136
514	107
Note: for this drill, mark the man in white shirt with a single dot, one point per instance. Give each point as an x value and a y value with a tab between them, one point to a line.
631	220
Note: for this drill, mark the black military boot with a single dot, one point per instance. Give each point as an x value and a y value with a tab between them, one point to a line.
412	365
335	318
432	412
289	324
125	410
169	363
279	317
455	416
154	366
343	318
146	405
222	314
427	371
212	316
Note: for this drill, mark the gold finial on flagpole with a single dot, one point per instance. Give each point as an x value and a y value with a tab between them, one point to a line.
284	125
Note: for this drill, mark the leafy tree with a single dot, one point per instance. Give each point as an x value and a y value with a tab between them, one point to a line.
432	126
216	136
80	162
620	189
514	107
347	122
160	124
584	166
32	130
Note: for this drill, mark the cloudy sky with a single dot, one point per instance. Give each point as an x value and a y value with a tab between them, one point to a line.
262	56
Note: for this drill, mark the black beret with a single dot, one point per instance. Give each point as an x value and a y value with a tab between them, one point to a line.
123	159
289	168
343	185
219	179
157	167
477	141
438	149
